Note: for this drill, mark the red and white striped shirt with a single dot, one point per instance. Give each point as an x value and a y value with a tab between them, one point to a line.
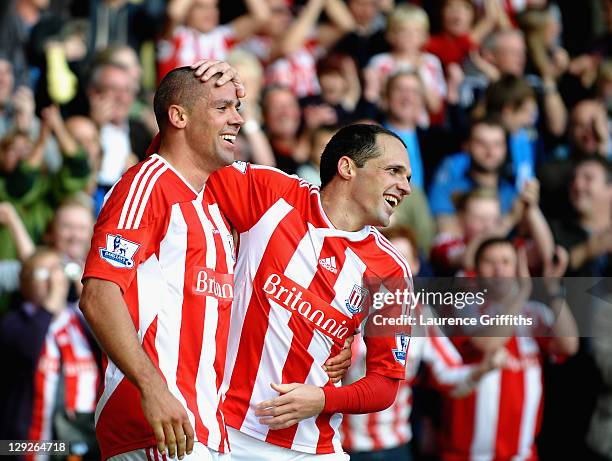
172	255
430	71
188	45
298	71
66	350
391	428
501	418
300	287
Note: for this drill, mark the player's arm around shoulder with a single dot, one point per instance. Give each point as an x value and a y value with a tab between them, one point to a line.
245	192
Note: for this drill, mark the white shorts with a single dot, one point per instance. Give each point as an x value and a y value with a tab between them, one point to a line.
200	453
247	448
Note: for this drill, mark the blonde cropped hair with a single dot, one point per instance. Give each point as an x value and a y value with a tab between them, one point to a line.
410	14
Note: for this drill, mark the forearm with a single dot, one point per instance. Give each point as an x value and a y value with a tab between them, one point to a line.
36	156
259	11
298	31
541	233
107	314
370	394
340	15
483	28
21	238
554	109
565	331
67	143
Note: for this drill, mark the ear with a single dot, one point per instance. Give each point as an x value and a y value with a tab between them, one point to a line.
346	168
177	116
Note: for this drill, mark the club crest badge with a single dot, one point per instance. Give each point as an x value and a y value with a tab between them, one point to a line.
119	252
401	342
354	303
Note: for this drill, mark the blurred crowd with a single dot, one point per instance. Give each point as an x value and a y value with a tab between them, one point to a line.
505	108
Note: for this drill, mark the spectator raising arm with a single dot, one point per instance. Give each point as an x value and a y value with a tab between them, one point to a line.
21	238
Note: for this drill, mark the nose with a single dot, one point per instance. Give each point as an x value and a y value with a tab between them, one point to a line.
404	186
236	118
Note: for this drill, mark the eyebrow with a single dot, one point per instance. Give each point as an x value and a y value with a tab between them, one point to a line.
227	102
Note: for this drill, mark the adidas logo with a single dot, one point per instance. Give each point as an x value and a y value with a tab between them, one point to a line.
329	264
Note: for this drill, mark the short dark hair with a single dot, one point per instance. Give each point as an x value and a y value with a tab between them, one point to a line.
603	162
358	142
179	86
488	120
509	90
486	244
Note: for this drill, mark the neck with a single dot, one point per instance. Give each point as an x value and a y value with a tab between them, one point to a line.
339	209
406	55
598	220
485	178
187	162
404	125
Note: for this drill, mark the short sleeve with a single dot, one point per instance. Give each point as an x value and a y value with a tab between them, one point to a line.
244	192
386	329
120	241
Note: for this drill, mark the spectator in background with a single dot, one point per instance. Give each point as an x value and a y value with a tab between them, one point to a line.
17	108
124	141
86	133
25	183
17	18
289	47
407	33
340	91
479	217
368	37
70	234
479	166
52	393
10	268
503	52
588	135
282	117
513	101
253	145
193	32
141	109
460	33
124	22
318	140
587	235
387	435
501	419
542	30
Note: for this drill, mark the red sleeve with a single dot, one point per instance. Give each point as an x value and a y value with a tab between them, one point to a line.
372	393
246	192
126	234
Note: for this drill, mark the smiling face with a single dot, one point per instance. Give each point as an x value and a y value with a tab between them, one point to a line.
281	113
590	192
213	124
382	183
71	231
405	99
